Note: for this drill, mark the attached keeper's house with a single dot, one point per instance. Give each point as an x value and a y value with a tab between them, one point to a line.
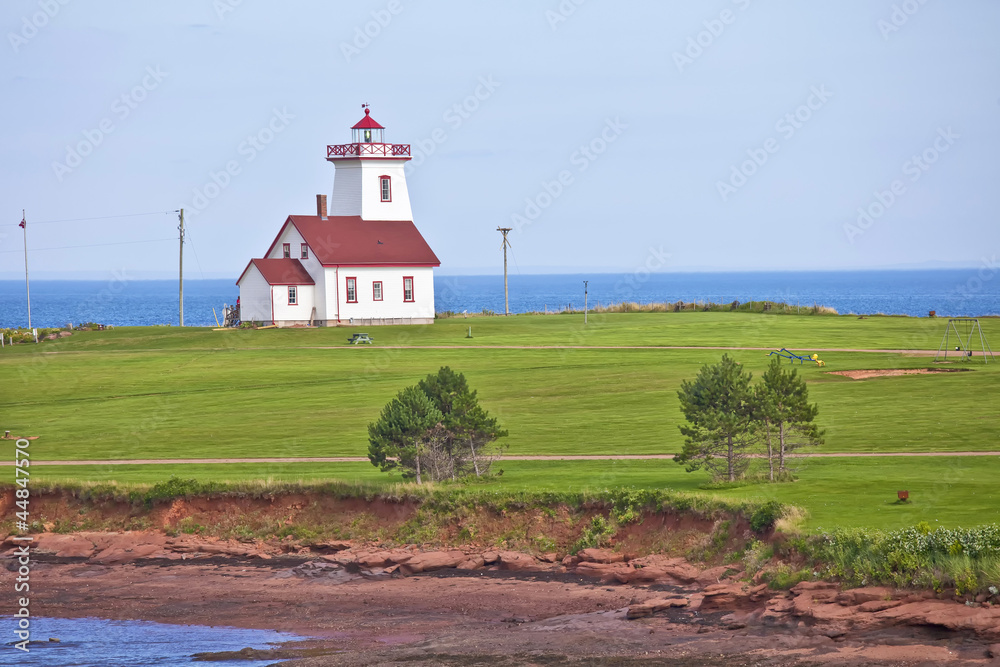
361	262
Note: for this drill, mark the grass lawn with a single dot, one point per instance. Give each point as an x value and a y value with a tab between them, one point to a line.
267	403
947	491
616	329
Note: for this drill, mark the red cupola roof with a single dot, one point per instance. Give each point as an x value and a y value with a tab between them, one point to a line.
367	123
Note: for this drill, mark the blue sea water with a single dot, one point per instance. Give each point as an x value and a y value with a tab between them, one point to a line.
951	292
95	642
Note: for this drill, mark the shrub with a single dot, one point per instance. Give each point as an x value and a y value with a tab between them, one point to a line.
594	535
765	516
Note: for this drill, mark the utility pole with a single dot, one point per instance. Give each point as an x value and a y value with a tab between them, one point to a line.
27	286
506	301
181	267
585	301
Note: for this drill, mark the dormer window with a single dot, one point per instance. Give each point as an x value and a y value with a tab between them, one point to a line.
385	188
286	250
304	251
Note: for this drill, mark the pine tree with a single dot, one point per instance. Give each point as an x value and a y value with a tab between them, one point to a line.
722	428
436	429
470	430
404	433
782	405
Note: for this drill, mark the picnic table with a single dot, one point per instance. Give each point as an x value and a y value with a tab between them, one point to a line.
357	338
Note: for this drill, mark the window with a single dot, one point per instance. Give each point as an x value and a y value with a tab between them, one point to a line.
408	288
304	251
293	295
386	188
377	290
286	250
352	290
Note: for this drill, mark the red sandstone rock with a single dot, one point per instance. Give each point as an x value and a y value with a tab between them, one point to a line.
726	596
399	557
570	561
945	614
118	555
549	557
600	556
665	570
516	561
650	607
65	546
330	545
712	575
432	560
472	563
878	605
857	596
603	571
382	558
342	558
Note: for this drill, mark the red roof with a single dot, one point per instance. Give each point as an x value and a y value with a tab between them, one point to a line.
351	241
367	123
281	271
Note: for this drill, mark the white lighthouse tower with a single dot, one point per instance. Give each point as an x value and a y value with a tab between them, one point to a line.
369	181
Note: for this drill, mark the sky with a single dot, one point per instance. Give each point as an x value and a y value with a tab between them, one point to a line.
717	135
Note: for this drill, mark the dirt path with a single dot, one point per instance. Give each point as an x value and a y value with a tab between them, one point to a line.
364	459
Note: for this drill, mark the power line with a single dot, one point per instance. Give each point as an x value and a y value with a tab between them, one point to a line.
93	245
101	217
190	242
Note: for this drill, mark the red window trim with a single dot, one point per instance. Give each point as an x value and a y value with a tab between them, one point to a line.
381	290
413	291
303	251
380	179
290	288
286	250
347	289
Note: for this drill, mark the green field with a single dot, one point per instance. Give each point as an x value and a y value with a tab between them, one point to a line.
166	393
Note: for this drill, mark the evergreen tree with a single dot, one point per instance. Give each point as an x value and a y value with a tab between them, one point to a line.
404	433
722	428
782	405
469	429
435	429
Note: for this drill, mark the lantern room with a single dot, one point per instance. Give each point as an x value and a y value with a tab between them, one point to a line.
367	130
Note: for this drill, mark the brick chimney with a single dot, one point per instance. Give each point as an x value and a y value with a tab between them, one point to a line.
321	206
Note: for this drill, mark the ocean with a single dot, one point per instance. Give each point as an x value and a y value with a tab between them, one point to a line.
950	292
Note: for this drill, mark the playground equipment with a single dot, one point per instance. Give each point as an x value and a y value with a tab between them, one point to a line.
964	348
785	353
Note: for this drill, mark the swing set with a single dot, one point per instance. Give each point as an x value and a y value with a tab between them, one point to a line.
964	329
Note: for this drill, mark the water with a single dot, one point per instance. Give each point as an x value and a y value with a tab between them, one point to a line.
952	292
96	642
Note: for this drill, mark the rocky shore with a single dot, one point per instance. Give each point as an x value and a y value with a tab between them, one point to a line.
464	606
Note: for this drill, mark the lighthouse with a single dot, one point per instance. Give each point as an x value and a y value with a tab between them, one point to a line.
360	262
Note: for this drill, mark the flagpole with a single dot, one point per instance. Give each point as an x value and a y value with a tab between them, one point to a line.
27	285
